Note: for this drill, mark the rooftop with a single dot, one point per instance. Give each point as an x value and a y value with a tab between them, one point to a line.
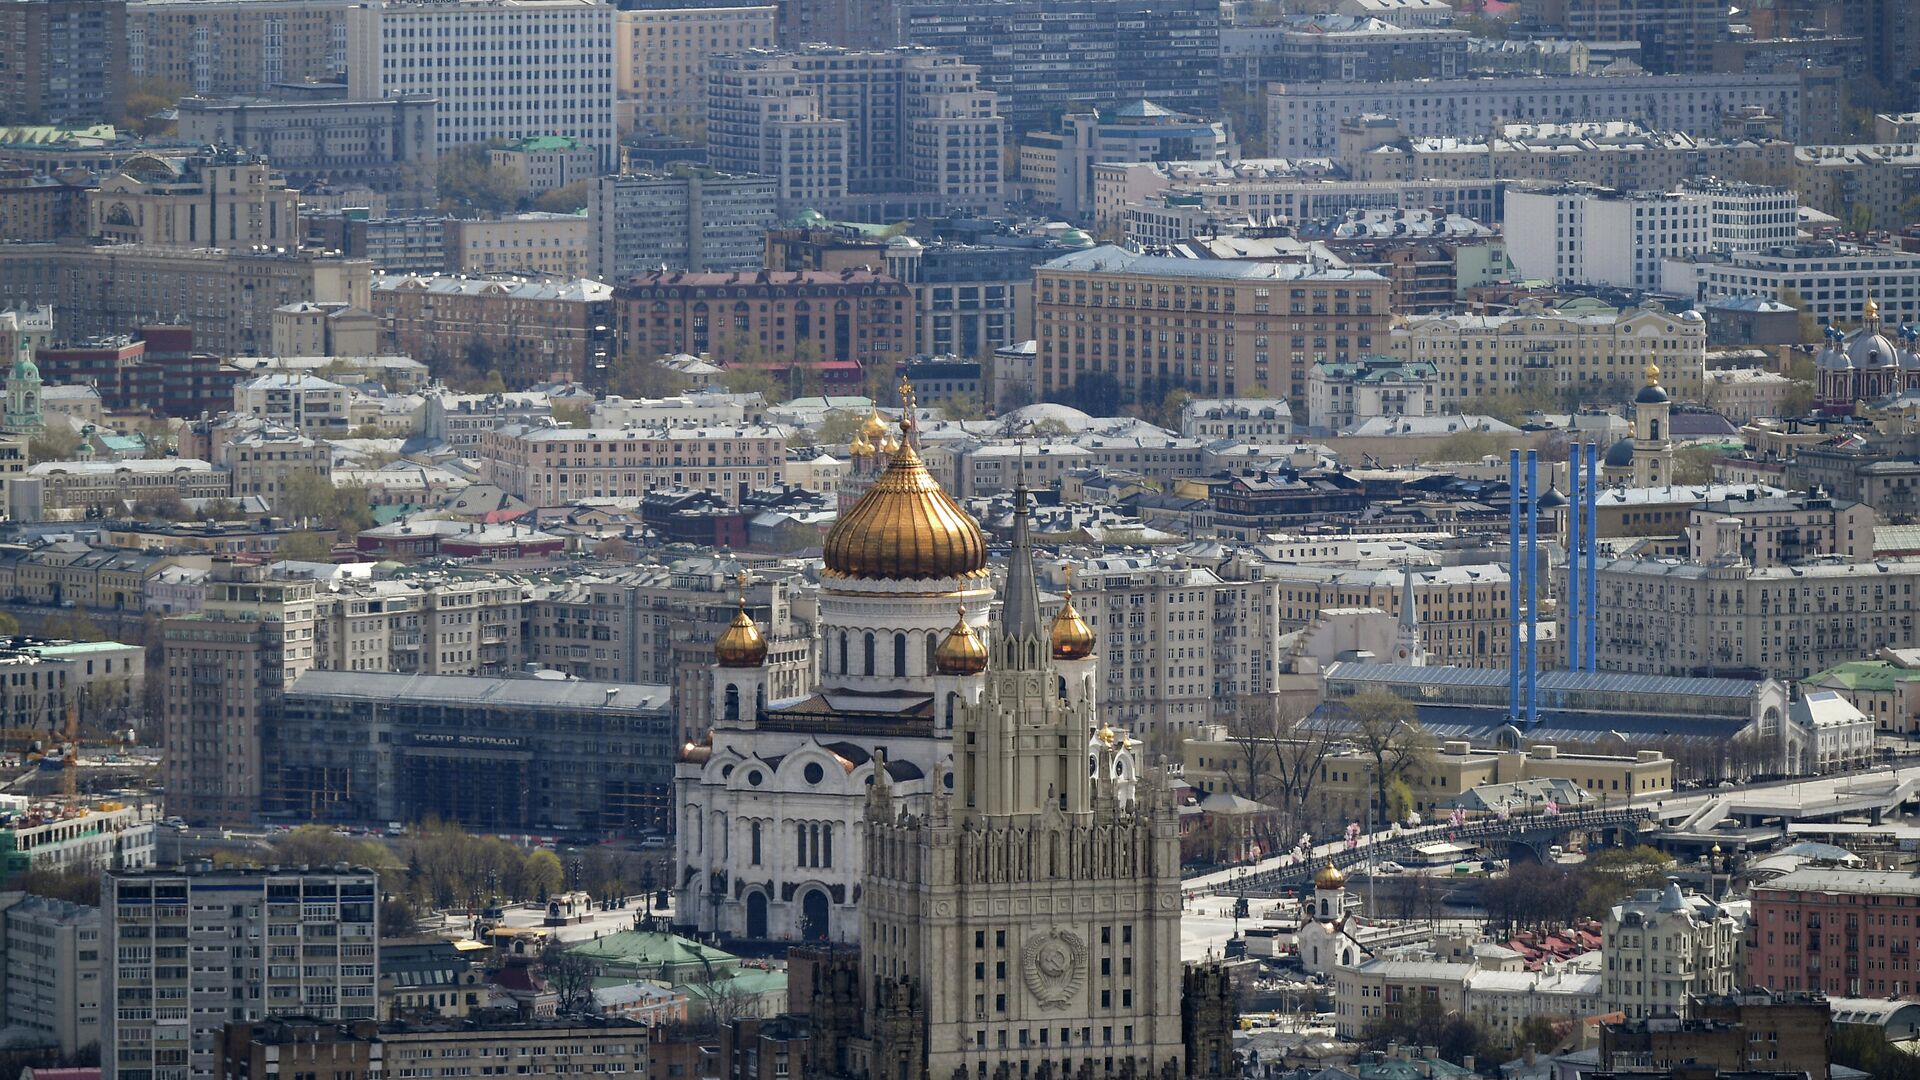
1110	259
532	693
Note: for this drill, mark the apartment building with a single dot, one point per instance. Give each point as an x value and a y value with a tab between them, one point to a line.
690	219
1667	617
223	200
83	837
237	48
853	315
425	626
1835	929
305	403
1305	118
1056	167
227	666
547	245
1664	947
549	65
1053	55
657	625
531	330
1831	281
190	950
107	485
1781	529
65	60
830	124
51	953
1586	234
385	145
1676	36
1165	202
1147	324
555	466
1873	184
228	296
1622	154
661	51
1475	355
268	461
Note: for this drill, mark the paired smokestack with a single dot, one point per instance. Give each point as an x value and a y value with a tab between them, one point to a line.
1523	575
1515	496
1533	587
1593	556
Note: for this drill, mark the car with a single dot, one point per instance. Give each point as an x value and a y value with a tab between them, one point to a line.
653	842
1391	867
175	823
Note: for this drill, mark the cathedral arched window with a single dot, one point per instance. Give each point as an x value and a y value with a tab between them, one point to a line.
869	652
843	652
1063	688
899	655
1653	428
800	844
952	699
753	843
733	702
931	645
826	845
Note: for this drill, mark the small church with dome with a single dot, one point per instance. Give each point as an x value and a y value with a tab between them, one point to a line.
1865	366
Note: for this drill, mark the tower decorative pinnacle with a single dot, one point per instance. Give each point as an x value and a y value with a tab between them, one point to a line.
1653	373
1021	612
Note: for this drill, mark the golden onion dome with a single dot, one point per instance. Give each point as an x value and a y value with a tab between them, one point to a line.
889	445
859	447
875	427
961	652
698	753
905	528
741	644
1107	736
1329	878
1072	637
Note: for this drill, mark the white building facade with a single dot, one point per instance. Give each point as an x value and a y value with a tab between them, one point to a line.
549	66
1663	946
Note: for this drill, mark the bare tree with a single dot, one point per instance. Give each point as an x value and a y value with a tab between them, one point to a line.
570	975
1384	727
1276	760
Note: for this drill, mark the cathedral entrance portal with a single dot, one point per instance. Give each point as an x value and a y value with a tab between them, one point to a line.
813	916
757	915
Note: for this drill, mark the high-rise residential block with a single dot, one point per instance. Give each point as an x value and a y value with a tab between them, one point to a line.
661	52
50	950
188	951
236	47
63	60
691	219
1676	36
1044	56
226	668
832	125
1592	235
549	66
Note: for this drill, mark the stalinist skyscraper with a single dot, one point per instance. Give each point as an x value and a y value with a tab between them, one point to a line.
1026	923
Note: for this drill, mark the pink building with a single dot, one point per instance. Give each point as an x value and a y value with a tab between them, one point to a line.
1848	932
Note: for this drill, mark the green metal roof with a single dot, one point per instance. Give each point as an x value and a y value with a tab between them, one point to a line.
1865	675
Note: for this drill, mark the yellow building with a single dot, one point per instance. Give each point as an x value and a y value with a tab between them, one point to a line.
226	200
1347	782
1477	355
552	244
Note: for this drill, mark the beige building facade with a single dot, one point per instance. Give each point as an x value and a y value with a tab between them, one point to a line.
660	60
535	243
554	466
236	47
1478	355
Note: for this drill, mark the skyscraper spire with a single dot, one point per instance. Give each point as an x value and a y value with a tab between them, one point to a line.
1406	645
1020	614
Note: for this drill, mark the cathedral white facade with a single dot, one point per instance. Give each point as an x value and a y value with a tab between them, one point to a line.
769	802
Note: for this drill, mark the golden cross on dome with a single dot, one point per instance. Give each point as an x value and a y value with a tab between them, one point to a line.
1653	374
906	404
741	579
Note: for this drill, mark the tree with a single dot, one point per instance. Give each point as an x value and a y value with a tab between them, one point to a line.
147	100
1384	727
1171	406
1425	1022
307	496
617	550
219	510
306	547
569	974
74	884
396	918
57	442
9	626
572	414
964	407
646	379
570	199
1278	757
74	624
465	178
1616	873
542	876
1468	446
1694	464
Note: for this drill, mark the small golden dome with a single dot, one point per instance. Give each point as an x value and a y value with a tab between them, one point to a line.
961	652
859	447
1107	736
905	528
741	644
875	427
697	753
889	445
1072	637
1330	877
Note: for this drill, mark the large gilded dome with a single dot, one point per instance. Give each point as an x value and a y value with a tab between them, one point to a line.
905	528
